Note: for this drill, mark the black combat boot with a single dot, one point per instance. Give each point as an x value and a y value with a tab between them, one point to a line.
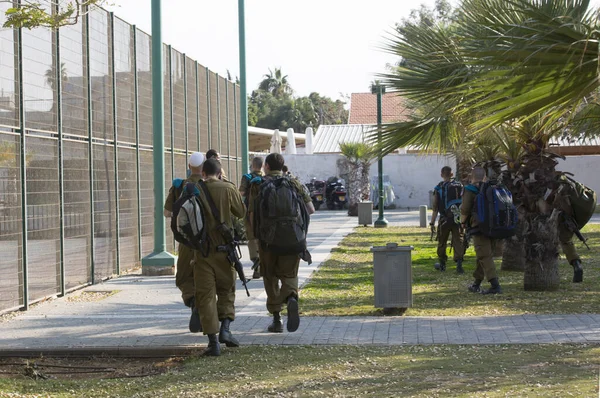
475	287
441	266
293	314
577	271
195	325
225	335
459	268
495	289
256	268
277	325
214	348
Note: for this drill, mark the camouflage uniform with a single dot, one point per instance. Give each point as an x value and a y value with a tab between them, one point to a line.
445	227
252	241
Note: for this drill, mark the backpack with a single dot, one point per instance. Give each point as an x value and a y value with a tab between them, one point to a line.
496	214
280	217
251	180
450	194
583	202
187	221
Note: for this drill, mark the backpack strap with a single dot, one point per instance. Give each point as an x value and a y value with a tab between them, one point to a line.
178	182
211	202
472	188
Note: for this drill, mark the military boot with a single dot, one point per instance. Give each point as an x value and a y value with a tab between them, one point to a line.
256	268
577	271
277	325
475	287
214	348
195	325
495	289
441	266
225	335
459	268
293	314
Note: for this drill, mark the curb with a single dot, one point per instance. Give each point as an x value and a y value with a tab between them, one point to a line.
123	352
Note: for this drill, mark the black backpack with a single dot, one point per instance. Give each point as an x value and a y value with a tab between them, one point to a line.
187	220
280	217
450	194
496	214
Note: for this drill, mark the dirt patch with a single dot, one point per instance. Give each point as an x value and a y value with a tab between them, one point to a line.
86	368
91	296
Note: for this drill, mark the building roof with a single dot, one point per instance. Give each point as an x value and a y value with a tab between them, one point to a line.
363	108
329	137
259	139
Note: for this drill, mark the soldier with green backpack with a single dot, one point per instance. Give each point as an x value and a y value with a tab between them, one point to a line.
280	212
577	204
254	177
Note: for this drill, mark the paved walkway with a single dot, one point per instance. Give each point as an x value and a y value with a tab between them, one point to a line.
146	314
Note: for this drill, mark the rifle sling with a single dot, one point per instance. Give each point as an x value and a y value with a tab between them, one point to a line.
211	202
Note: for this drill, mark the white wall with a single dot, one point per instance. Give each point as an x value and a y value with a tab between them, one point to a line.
412	176
585	168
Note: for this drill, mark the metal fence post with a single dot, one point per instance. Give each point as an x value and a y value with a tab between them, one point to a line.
136	92
172	119
90	147
227	129
185	103
209	121
115	137
219	115
61	193
23	167
197	107
239	168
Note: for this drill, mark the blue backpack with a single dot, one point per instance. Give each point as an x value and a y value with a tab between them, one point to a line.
496	213
450	194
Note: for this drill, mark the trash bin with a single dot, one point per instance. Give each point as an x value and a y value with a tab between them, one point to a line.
365	213
392	266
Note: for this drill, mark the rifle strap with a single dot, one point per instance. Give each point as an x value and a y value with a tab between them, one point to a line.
211	202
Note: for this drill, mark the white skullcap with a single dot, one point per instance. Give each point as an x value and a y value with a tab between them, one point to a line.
196	159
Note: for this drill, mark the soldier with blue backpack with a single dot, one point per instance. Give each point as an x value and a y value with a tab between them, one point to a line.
280	215
447	198
487	213
254	177
184	278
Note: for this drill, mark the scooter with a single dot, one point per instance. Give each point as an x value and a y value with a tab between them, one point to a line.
316	188
335	194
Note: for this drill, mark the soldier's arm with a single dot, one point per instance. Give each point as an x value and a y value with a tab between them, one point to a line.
467	206
434	213
237	206
168	208
310	207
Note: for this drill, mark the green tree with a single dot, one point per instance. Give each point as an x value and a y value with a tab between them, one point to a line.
276	83
32	13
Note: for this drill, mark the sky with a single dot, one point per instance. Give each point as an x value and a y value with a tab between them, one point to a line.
327	46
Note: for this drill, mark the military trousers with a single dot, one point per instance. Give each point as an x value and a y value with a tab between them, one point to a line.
445	229
276	269
184	277
566	243
486	269
214	280
252	242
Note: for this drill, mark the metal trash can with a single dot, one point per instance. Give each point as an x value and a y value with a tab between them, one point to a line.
392	266
365	213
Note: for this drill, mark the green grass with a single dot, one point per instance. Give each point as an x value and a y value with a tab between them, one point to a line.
343	371
344	284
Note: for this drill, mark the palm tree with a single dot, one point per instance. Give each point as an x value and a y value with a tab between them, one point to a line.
501	61
50	76
276	83
359	157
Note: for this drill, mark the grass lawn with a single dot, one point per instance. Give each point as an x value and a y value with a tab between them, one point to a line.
344	284
411	371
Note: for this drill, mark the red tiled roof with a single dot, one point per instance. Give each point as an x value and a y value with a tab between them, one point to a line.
363	108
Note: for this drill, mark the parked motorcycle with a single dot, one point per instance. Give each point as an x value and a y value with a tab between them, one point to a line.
336	195
316	188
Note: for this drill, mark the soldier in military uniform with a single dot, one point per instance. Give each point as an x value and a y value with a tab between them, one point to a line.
214	275
254	177
213	154
184	278
483	245
277	268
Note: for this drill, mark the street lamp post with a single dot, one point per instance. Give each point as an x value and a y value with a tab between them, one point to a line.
243	88
381	222
160	262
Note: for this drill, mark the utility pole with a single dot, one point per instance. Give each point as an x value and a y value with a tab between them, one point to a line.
381	222
243	88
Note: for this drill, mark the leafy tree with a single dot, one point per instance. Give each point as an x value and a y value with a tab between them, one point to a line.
276	83
32	13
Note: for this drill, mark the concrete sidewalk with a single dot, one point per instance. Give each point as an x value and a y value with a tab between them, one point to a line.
146	314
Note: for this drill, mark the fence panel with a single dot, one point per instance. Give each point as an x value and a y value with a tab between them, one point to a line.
167	90
147	202
11	260
9	99
128	220
192	113
105	250
179	133
144	67
214	111
204	104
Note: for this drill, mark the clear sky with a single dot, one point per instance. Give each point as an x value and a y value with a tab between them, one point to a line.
328	46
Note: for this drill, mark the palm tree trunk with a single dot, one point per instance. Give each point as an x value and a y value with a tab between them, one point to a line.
513	252
541	242
354	186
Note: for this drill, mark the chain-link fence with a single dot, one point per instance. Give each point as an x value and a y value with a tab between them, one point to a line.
76	168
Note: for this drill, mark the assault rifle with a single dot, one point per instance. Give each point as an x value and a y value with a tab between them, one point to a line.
571	225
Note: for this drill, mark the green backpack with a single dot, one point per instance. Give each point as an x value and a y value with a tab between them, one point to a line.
583	202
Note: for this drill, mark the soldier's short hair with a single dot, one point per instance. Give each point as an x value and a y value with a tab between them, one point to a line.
257	162
211	167
275	161
478	173
447	171
211	153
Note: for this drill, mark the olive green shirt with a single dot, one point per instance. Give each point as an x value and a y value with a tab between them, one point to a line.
175	193
245	183
468	213
228	202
